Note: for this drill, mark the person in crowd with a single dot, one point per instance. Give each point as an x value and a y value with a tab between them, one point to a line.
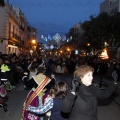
28	81
36	97
42	65
3	80
115	76
32	68
53	104
13	67
51	83
81	100
5	73
50	96
3	98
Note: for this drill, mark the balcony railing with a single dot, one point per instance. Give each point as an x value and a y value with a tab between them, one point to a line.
21	28
15	36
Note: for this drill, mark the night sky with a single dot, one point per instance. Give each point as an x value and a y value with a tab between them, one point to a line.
56	16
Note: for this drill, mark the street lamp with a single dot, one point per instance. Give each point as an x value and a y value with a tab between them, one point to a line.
88	44
88	48
33	41
68	49
34	45
61	51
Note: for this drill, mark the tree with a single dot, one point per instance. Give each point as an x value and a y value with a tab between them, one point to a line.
100	29
2	3
115	30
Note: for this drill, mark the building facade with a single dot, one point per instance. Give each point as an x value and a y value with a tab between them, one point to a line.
9	30
15	33
110	6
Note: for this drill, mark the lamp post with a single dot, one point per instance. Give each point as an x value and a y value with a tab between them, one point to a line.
88	48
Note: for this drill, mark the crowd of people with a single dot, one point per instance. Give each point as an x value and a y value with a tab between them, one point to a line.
51	100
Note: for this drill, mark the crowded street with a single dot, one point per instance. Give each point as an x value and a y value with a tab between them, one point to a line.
60	60
108	109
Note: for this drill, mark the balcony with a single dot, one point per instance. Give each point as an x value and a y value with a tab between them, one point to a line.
15	37
22	28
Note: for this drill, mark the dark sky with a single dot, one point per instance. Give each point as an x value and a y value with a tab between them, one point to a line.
56	16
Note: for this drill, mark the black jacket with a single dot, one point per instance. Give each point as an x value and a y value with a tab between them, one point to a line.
83	106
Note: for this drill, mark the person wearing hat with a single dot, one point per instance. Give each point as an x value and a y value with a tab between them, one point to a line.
81	100
35	97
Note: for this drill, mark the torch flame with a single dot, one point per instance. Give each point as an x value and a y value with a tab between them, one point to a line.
104	54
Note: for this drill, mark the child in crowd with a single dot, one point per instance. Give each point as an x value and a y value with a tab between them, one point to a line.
3	98
54	104
49	97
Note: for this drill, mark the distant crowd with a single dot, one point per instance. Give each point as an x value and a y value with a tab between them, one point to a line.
13	67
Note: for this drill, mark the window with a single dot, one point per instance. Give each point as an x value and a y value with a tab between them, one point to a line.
112	2
114	10
9	29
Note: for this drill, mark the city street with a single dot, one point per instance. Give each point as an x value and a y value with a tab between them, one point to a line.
45	35
108	109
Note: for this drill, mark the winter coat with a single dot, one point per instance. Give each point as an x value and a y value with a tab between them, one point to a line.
55	111
83	106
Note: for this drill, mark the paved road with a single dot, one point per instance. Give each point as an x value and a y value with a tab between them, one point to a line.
110	110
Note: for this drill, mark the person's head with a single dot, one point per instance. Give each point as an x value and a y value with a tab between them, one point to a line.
61	89
6	61
13	59
85	73
35	59
52	92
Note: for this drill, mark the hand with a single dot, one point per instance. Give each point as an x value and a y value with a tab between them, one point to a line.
28	108
75	85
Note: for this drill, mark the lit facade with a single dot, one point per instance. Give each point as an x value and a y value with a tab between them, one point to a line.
9	30
15	33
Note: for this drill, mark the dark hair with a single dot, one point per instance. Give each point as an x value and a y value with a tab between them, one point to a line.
61	89
52	91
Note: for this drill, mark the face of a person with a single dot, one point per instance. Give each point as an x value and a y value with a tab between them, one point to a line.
87	79
34	59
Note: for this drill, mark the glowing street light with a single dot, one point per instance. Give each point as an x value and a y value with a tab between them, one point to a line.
34	45
68	49
61	51
88	44
33	41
